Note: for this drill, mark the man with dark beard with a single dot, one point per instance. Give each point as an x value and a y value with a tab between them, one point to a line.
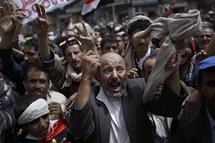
114	112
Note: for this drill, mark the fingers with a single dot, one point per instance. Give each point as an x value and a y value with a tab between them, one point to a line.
43	12
133	73
19	15
90	52
84	28
38	9
79	30
172	4
54	107
90	63
11	8
8	8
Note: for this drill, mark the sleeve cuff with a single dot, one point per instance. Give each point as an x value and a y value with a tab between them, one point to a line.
50	63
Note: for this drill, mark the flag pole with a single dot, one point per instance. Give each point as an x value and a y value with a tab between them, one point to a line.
113	11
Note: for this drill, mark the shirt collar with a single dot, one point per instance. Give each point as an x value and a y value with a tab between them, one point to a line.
140	61
101	96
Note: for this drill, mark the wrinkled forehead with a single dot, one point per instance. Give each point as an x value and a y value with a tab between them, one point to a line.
206	30
112	58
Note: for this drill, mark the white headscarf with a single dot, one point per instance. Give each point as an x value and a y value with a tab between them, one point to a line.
35	110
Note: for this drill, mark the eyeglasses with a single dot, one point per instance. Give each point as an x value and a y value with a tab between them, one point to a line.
69	42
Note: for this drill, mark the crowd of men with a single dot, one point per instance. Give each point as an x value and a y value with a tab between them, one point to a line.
94	85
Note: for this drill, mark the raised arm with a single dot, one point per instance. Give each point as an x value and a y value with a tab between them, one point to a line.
90	62
55	69
40	26
81	121
173	93
10	25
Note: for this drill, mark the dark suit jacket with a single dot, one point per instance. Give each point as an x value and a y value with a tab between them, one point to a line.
192	132
93	122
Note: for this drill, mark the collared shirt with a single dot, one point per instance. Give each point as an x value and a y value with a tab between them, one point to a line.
212	125
118	132
140	61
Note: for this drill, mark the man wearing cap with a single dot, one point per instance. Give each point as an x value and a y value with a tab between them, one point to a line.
139	47
202	130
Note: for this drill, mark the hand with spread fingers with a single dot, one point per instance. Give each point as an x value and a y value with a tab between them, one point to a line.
40	24
10	23
40	27
85	38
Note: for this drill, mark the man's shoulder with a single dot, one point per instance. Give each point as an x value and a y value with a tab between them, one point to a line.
136	82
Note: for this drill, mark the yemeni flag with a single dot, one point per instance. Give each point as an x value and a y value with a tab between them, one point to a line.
89	5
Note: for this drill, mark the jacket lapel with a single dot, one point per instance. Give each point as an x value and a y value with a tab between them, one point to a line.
129	112
104	122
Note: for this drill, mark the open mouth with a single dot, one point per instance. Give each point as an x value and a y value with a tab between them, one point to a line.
115	85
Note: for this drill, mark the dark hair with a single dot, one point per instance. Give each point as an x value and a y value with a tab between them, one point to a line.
34	68
32	42
108	38
139	24
22	102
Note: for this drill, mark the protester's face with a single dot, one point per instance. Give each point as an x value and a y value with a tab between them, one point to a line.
73	56
140	44
207	90
31	56
112	74
38	127
110	47
37	82
204	37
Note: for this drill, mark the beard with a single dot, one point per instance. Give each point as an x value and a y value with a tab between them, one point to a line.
114	95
